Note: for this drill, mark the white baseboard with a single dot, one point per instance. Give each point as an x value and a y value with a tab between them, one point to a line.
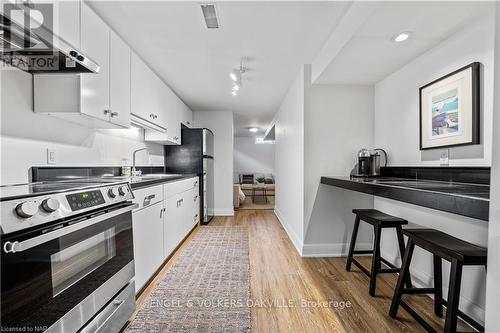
291	234
223	212
331	249
420	279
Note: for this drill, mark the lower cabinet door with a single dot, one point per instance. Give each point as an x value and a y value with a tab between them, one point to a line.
180	217
171	225
192	215
148	242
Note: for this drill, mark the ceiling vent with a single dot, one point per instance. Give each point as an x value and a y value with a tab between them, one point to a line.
210	15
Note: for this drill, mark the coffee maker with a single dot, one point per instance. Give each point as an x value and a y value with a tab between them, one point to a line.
369	163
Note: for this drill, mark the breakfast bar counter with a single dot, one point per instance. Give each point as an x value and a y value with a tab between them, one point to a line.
462	198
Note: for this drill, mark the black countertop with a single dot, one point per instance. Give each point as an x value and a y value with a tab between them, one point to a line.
465	199
151	175
16	191
151	180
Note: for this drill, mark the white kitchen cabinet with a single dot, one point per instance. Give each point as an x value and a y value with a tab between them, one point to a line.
148	242
67	21
177	113
164	217
180	201
186	116
100	100
95	36
119	89
172	225
191	198
147	95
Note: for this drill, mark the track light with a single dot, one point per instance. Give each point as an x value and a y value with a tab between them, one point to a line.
236	76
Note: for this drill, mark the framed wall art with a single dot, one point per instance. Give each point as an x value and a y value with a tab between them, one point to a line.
449	109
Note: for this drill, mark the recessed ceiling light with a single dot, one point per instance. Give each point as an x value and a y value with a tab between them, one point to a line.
253	129
401	37
236	87
234	92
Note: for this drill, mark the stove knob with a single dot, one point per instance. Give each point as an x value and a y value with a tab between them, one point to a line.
122	190
26	209
112	193
50	205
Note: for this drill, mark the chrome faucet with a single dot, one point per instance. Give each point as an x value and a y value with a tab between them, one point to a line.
134	172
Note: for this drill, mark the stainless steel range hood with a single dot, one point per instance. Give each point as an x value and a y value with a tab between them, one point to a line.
41	51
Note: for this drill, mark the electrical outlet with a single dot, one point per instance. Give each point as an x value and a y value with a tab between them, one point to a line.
51	156
444	160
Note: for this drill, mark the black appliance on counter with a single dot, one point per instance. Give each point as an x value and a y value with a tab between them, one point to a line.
369	163
67	257
195	156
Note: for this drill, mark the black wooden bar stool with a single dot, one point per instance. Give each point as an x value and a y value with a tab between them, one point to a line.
379	221
442	246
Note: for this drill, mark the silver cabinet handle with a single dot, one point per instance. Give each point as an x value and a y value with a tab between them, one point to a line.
114	114
147	200
176	138
106	112
161	212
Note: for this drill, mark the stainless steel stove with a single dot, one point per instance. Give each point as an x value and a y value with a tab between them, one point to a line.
66	256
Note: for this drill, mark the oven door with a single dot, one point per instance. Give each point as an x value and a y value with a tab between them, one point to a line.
58	278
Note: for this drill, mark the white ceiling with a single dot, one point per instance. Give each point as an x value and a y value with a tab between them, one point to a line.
370	55
195	62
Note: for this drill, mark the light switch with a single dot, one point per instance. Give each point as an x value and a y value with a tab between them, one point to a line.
51	156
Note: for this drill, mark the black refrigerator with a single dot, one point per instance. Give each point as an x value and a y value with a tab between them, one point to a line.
195	156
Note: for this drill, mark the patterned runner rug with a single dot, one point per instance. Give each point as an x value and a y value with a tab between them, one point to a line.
205	290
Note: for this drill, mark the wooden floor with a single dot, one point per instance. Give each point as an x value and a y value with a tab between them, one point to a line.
286	290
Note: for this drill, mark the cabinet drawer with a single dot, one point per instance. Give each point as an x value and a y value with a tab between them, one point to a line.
180	186
148	196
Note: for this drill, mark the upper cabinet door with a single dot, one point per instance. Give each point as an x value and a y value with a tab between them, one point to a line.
95	43
143	97
187	115
119	81
67	21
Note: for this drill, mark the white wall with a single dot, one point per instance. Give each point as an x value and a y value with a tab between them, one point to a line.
493	276
338	122
396	98
25	136
252	158
396	130
289	160
221	124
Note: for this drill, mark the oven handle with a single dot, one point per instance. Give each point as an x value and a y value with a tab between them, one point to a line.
15	246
